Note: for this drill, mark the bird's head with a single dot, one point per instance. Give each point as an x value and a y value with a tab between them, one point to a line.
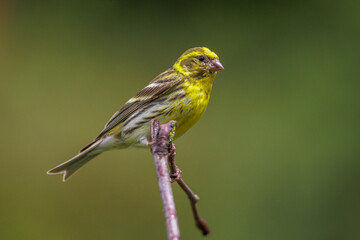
198	62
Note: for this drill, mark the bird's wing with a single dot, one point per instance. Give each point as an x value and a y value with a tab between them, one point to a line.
157	88
164	83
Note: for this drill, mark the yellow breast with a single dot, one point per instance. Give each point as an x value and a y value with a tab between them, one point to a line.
189	109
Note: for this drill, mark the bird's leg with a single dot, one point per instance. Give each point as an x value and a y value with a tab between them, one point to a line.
149	142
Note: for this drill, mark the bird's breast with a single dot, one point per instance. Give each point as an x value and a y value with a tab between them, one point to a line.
190	108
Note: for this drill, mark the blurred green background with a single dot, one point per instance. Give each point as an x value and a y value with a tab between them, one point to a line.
276	156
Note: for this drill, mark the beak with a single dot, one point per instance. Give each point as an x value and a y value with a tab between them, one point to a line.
216	65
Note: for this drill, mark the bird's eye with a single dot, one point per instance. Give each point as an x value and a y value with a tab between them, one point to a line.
201	58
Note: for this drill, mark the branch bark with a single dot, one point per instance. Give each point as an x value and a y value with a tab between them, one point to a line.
175	174
164	153
160	149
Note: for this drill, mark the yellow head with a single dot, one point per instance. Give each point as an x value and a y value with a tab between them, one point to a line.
198	62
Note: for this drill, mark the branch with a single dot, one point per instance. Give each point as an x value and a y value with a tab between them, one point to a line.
160	149
175	174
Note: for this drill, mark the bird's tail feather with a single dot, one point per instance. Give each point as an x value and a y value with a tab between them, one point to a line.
71	166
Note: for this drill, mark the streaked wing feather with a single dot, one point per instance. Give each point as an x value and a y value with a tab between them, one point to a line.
141	99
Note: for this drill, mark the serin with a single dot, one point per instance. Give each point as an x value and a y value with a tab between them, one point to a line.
180	93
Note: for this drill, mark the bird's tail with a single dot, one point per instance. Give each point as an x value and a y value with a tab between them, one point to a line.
71	166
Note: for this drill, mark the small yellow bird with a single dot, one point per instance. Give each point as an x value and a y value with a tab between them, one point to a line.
181	93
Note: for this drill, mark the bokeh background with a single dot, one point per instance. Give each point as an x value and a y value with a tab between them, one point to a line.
276	156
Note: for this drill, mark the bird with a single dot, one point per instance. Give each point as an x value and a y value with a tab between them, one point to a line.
181	93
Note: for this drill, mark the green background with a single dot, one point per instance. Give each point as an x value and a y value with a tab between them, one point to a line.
276	155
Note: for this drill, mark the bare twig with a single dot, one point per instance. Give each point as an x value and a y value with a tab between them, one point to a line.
175	174
160	150
164	152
